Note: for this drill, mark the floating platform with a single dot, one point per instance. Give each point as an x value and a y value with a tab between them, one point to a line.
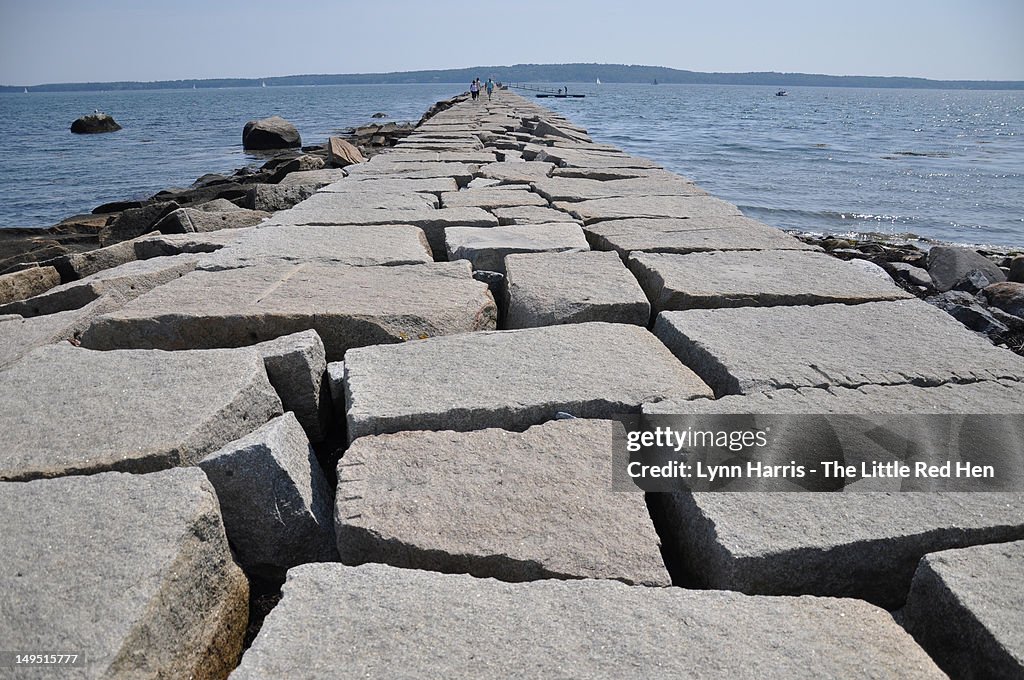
562	96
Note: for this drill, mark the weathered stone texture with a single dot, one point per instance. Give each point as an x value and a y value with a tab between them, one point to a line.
486	248
471	503
965	609
456	625
347	307
755	279
274	498
882	343
66	410
862	545
545	289
133	571
519	378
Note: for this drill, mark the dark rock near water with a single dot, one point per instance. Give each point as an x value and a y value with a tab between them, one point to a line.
909	274
1017	269
190	197
974	281
966	308
117	206
270	133
953	267
1007	296
136	222
301	164
95	123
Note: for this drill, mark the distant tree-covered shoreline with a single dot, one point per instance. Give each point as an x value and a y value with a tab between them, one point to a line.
542	73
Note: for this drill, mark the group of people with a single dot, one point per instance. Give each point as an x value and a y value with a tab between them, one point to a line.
475	87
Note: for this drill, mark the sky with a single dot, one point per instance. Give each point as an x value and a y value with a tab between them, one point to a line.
47	41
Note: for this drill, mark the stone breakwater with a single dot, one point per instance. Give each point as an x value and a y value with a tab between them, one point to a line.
364	394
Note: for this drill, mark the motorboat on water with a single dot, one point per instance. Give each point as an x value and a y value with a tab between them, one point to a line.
781	93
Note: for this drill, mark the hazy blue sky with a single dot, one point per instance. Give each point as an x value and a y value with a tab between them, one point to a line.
73	41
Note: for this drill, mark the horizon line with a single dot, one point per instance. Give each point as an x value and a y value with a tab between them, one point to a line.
512	66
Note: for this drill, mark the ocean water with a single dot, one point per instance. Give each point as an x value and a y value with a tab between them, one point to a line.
945	165
941	165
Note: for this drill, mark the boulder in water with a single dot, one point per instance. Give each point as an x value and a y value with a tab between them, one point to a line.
94	123
270	133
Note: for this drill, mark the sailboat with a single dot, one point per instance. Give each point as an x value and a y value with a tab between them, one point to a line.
263	84
26	90
598	81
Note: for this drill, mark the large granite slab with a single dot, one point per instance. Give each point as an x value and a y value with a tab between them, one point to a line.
128	281
434	185
27	283
472	502
318	178
487	248
66	410
164	245
593	159
19	336
490	198
529	214
607	173
516	172
398	155
697	234
965	609
510	379
347	306
343	201
750	349
296	365
274	497
578	189
460	626
131	571
862	545
755	279
381	166
544	289
432	222
987	397
600	209
359	245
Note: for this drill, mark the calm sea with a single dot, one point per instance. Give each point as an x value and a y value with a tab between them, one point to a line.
943	165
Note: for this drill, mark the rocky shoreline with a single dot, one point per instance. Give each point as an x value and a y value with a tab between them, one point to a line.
983	288
237	199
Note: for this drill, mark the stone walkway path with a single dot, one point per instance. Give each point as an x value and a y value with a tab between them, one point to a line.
437	315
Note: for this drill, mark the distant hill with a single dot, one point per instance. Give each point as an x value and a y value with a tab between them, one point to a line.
544	73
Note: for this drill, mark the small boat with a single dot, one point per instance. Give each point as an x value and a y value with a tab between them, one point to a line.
598	81
655	82
263	84
26	90
781	93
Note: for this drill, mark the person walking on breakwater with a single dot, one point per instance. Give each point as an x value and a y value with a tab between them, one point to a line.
474	88
490	88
